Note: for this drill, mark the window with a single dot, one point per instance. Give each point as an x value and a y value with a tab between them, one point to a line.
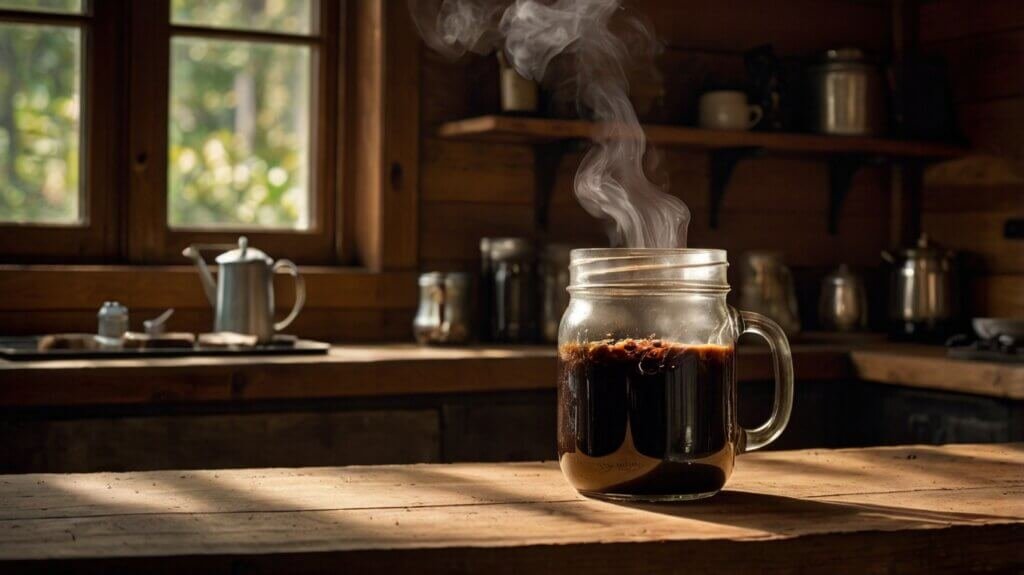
55	166
239	116
130	129
40	133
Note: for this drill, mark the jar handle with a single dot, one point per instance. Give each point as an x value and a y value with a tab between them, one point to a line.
782	366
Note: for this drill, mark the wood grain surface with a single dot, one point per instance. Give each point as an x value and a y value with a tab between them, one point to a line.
406	369
346	371
537	130
929	367
905	509
983	44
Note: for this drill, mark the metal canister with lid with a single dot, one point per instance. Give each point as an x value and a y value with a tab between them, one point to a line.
847	94
445	311
512	283
843	303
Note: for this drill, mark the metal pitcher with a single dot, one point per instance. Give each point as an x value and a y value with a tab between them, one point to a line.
924	295
767	288
243	294
843	304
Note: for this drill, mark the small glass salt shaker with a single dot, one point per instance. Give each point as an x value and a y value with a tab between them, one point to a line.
113	323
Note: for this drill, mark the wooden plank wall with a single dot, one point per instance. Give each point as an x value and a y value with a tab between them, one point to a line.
470	190
983	43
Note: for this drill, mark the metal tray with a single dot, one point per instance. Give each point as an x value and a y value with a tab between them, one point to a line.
25	349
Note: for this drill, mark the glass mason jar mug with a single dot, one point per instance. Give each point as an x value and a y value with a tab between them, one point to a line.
647	378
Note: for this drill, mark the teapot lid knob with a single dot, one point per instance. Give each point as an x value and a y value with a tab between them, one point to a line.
244	254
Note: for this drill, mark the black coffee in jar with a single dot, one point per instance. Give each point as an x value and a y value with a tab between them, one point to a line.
644	417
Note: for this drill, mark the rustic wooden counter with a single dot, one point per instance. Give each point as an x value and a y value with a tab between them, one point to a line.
346	371
406	369
897	509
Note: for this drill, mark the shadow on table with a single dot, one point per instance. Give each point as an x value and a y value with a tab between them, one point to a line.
782	515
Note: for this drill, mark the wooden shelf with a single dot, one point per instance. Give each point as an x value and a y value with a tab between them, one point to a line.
515	130
845	155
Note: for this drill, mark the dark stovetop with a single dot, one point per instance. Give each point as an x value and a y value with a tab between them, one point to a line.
1002	349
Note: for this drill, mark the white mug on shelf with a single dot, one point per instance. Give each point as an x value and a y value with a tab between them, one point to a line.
728	110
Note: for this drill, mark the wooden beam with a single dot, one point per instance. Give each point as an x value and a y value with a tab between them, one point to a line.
384	135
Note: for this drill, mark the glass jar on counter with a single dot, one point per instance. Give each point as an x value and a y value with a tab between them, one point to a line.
511	284
647	375
554	275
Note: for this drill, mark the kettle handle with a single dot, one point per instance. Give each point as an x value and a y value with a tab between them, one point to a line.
300	291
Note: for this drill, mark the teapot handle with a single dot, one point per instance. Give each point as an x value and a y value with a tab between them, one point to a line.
300	291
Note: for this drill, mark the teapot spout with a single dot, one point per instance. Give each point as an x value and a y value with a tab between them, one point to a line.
205	277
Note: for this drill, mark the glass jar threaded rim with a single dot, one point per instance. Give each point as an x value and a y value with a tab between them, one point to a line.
648	271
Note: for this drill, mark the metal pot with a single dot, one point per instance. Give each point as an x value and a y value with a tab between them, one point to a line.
843	304
847	94
923	298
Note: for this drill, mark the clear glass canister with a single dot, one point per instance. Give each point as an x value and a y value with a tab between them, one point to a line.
647	377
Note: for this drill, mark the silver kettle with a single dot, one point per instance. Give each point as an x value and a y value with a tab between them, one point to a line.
923	299
243	294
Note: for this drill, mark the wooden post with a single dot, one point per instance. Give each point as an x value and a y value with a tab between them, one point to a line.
384	135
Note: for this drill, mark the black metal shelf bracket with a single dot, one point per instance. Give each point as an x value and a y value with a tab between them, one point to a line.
723	162
546	159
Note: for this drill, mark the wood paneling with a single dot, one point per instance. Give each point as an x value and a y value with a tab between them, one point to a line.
473	172
980	235
985	67
793	27
983	41
220	441
326	324
470	190
453	230
87	287
997	295
942	20
341	304
995	126
489	430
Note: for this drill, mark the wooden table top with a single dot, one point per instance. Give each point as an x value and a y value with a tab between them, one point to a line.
894	509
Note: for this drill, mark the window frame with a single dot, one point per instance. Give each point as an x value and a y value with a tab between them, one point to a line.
367	293
95	238
150	237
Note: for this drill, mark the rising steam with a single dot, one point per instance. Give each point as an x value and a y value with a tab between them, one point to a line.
610	182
